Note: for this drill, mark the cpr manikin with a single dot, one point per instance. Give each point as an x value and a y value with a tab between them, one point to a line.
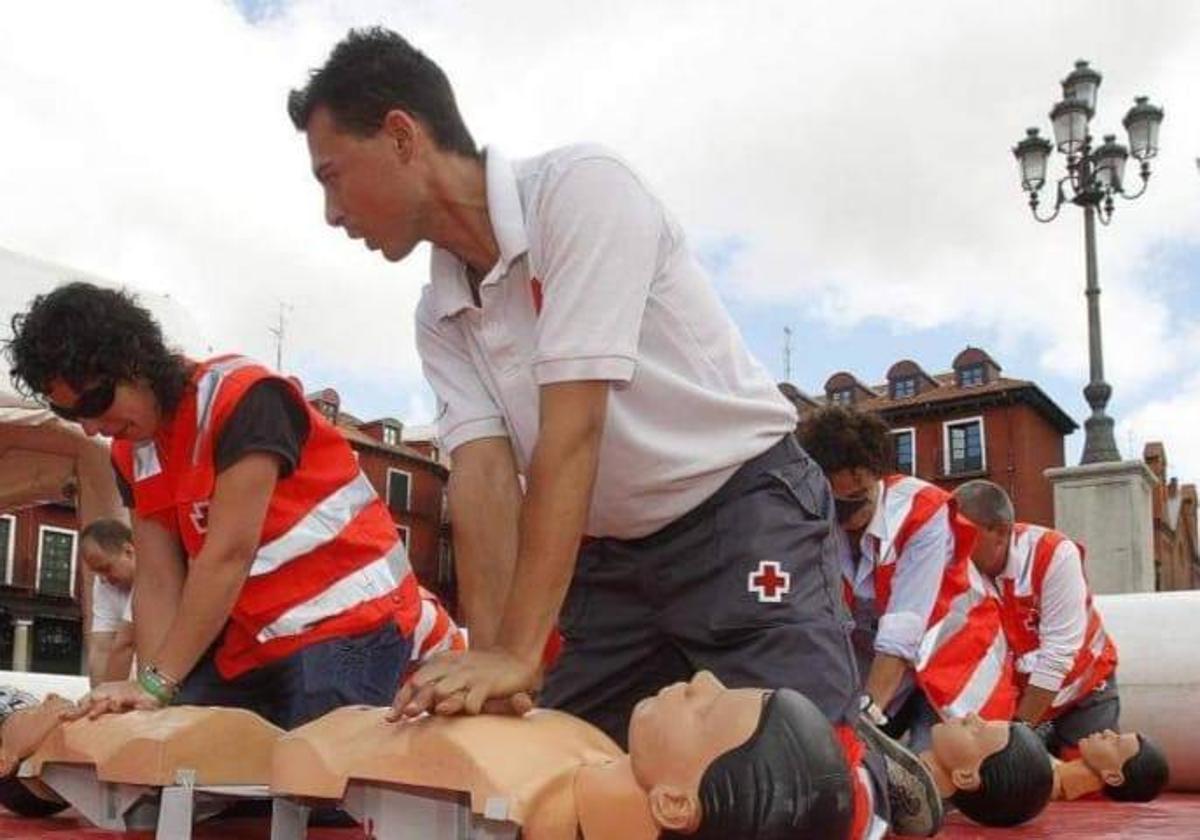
997	773
1126	767
699	756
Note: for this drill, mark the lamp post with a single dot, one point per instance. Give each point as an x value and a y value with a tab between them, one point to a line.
1094	177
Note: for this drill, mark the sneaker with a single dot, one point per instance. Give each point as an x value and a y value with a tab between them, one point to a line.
913	796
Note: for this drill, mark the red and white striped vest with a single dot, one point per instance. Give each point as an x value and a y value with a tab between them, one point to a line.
963	663
329	561
435	631
1030	558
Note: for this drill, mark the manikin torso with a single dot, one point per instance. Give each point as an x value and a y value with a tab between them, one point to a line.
560	776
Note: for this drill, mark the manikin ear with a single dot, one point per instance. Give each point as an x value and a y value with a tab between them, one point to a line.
966	778
1113	778
674	809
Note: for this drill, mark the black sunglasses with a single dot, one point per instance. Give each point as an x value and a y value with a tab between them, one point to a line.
91	403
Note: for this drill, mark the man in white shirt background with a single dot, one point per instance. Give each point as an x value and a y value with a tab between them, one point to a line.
106	548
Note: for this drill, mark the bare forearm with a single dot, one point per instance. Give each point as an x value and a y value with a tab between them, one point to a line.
212	587
1035	702
100	648
485	503
552	522
119	663
158	585
884	678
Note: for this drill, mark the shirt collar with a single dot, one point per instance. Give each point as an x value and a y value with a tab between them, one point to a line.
878	525
448	275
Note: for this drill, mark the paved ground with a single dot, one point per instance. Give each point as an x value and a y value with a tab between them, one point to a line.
1173	816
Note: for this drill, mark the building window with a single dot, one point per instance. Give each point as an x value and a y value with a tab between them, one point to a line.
391	435
57	646
964	446
972	375
904	444
56	561
904	386
399	491
843	397
8	534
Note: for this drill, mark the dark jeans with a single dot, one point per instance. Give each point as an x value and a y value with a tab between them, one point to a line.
643	613
1098	711
362	669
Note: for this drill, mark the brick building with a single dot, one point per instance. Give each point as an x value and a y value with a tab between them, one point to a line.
969	422
1176	549
40	588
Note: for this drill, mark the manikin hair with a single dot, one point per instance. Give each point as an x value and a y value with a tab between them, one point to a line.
1015	783
788	780
1145	773
984	503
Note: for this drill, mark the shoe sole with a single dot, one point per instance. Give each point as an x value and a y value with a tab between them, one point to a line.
895	753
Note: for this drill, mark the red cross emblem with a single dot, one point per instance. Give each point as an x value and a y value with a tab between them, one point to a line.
768	582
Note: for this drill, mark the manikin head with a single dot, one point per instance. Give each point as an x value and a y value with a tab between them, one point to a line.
1001	771
747	763
989	508
1132	766
106	546
855	452
97	357
379	115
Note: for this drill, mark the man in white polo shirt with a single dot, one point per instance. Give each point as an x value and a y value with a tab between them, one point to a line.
572	338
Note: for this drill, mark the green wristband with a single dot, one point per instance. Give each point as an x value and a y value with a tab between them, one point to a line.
156	685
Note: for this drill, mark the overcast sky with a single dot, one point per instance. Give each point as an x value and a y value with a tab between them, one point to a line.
844	169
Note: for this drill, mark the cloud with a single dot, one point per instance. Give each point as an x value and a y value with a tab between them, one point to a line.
850	161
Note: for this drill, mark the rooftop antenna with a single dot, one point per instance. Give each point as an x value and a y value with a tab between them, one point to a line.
787	354
279	331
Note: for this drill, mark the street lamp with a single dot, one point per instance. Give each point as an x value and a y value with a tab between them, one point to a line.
1094	177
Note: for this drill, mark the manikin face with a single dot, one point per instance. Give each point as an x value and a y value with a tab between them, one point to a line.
990	555
133	414
116	567
856	489
675	735
960	745
1106	753
372	185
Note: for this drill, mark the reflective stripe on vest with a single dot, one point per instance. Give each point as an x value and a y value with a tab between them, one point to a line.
320	525
366	584
963	664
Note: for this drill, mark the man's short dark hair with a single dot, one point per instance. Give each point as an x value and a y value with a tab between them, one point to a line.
373	71
112	535
1146	774
1015	783
789	780
839	438
84	334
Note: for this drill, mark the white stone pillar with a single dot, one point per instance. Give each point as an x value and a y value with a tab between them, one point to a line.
22	641
1109	508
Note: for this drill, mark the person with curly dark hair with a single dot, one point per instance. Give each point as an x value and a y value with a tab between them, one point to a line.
269	574
920	609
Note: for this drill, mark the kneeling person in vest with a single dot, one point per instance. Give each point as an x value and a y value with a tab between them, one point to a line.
927	627
1066	663
270	575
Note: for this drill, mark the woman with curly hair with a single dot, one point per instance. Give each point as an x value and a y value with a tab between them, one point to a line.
269	573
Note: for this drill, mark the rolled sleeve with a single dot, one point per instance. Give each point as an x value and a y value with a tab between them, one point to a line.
599	246
915	587
1064	616
466	411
